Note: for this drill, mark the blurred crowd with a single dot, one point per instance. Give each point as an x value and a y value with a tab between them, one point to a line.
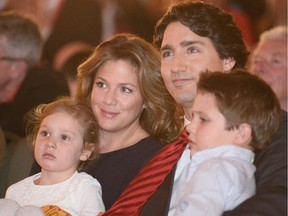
92	21
70	29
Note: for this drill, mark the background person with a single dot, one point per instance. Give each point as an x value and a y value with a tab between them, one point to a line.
68	58
269	61
24	82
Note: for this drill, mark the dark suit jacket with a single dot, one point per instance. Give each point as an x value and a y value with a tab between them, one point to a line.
41	85
271	179
271	183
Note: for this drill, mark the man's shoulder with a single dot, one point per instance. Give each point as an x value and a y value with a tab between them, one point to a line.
271	162
278	144
46	78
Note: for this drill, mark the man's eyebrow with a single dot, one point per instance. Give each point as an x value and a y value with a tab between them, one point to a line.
190	42
166	47
184	43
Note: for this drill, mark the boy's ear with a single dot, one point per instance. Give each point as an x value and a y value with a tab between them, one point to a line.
228	63
87	152
243	134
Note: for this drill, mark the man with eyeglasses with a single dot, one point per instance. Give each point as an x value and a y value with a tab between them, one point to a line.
24	83
269	61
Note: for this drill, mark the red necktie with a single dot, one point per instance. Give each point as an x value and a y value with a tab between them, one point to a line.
149	179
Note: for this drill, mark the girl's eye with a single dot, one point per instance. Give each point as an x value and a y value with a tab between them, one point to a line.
100	85
65	137
126	90
44	133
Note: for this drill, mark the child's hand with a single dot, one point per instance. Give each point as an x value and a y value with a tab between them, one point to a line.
101	213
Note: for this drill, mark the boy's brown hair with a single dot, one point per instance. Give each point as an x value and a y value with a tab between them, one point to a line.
244	98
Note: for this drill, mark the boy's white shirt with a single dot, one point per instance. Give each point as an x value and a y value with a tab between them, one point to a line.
182	167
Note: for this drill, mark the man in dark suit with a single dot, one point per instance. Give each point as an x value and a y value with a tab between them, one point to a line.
193	37
24	83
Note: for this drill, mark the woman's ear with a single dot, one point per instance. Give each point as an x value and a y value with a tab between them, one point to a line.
243	134
228	63
87	152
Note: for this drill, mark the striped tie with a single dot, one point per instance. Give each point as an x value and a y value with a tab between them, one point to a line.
149	179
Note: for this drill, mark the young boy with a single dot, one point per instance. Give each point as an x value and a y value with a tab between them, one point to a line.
64	134
233	114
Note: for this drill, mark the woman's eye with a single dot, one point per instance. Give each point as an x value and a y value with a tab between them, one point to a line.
126	90
100	85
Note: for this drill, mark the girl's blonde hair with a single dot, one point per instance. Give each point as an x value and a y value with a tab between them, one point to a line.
79	111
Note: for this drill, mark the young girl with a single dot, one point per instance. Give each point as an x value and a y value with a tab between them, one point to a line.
64	134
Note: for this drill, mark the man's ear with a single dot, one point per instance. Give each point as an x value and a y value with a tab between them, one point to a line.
243	134
19	70
87	152
228	63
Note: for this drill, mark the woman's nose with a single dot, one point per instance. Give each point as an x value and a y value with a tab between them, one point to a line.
110	98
